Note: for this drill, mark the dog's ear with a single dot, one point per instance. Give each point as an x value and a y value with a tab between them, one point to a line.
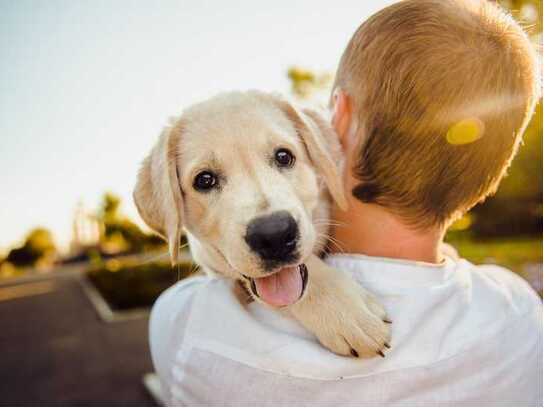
158	191
322	146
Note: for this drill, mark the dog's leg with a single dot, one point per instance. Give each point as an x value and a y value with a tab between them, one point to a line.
346	319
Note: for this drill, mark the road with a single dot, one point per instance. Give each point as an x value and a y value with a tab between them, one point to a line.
55	351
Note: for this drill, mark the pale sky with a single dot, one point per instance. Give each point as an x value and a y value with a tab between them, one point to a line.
86	86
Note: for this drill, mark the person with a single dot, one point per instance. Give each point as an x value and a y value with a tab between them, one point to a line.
430	102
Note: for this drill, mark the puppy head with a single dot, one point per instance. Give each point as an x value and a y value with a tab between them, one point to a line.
241	173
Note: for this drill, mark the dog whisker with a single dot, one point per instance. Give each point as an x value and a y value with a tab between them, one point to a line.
320	222
329	220
153	259
159	256
337	244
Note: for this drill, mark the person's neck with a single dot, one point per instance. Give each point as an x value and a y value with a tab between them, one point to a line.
373	231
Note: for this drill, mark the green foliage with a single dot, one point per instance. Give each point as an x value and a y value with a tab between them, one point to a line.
38	246
126	286
110	206
511	253
306	83
119	233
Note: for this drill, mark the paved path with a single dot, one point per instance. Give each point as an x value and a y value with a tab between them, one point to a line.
55	351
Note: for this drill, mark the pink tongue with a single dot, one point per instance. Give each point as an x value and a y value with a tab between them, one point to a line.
281	288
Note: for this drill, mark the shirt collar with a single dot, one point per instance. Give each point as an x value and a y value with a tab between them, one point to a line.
398	271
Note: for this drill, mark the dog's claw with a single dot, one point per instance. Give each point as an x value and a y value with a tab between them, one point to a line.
387	345
387	321
380	352
354	353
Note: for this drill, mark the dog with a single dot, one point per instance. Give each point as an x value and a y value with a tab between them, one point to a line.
250	178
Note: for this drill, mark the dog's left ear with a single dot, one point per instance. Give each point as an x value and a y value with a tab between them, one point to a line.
157	194
322	144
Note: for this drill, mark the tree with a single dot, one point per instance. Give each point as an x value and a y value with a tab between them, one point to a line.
306	83
38	246
110	206
120	234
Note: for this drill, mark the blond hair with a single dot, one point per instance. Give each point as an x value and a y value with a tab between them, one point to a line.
418	70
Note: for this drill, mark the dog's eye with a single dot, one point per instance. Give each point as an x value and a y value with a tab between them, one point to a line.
204	181
284	158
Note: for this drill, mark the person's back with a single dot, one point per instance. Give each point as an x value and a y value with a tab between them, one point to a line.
431	100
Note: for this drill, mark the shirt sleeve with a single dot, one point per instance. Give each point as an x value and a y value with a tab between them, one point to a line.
167	324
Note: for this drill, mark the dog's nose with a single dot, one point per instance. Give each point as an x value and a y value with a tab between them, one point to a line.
273	237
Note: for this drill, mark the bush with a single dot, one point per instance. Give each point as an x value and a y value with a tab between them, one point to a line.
498	218
135	286
38	245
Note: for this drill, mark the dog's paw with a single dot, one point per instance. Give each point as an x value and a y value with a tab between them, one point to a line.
345	317
355	324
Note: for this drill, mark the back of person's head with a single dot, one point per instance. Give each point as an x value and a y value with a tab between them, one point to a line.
442	91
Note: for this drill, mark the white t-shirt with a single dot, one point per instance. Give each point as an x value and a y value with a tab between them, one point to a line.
462	335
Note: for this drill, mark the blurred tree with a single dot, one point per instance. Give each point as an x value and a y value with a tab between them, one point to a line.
306	83
120	234
38	246
110	206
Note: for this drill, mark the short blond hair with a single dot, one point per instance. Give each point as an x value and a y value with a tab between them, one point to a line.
413	71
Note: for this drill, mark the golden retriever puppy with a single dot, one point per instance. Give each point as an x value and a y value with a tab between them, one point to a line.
250	178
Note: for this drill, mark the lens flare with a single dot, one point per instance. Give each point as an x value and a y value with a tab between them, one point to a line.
465	131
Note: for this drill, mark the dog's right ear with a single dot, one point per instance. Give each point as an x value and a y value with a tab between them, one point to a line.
157	194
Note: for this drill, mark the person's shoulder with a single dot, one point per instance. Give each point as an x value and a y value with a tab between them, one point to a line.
177	299
498	283
170	316
505	296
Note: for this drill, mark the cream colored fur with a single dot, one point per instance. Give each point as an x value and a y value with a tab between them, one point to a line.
235	135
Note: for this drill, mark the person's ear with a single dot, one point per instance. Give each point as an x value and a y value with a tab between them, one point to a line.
157	194
341	115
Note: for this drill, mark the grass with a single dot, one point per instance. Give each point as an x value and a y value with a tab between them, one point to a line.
512	253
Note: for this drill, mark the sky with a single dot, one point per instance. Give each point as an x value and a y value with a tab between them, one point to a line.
86	86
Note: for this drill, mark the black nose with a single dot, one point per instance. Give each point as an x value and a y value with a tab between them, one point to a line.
273	237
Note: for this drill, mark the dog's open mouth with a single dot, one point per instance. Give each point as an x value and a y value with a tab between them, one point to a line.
282	288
